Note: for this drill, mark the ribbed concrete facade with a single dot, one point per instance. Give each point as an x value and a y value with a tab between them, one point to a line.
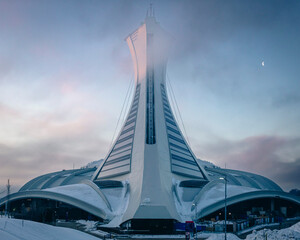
150	149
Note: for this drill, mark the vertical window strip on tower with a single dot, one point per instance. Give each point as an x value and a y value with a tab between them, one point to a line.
118	161
150	122
182	161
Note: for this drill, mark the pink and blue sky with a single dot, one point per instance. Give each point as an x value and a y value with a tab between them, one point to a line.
65	68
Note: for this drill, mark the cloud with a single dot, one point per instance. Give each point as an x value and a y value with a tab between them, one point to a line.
203	25
286	100
22	162
31	145
6	67
275	157
6	111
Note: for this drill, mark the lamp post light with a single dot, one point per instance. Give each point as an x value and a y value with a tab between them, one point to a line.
7	197
225	209
195	219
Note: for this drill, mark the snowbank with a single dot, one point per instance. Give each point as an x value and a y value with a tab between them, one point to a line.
284	234
15	229
88	225
296	227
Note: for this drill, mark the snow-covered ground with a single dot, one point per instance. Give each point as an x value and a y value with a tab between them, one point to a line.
15	229
221	236
284	234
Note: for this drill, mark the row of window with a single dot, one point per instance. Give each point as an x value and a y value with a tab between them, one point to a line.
182	161
150	123
119	160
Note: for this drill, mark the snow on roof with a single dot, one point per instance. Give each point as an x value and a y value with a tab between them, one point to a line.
81	192
216	193
94	164
205	163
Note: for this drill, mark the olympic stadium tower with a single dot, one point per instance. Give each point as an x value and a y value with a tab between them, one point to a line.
150	177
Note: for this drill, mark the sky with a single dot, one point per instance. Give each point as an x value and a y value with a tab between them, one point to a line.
65	68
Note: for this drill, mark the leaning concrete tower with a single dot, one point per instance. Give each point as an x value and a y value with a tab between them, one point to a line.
150	151
150	178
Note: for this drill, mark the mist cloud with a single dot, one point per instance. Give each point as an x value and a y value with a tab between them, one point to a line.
275	157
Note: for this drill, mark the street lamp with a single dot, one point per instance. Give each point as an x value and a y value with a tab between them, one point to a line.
195	206
225	210
7	197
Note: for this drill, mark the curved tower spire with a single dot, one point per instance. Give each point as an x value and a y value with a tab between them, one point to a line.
150	151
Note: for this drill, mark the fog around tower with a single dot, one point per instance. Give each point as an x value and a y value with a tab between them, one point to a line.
65	69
